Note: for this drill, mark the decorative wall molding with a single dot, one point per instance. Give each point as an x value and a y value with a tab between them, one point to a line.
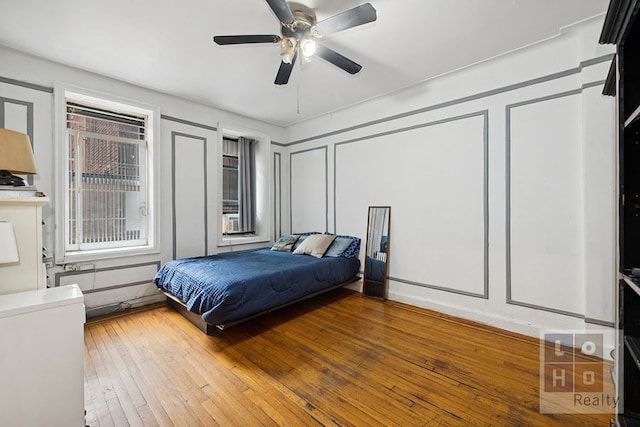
277	195
201	126
326	181
508	143
464	99
188	122
63	274
173	189
26	85
485	137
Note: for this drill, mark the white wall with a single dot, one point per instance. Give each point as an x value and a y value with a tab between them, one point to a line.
501	180
188	130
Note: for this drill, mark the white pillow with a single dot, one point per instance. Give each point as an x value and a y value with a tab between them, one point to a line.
315	245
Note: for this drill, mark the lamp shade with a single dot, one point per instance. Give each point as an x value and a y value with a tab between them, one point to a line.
15	153
8	244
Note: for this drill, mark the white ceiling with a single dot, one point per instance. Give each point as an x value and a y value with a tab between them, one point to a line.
167	45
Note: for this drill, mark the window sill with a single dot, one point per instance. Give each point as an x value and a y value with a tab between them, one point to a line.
241	240
101	254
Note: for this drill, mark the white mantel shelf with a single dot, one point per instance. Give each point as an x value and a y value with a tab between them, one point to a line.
24	200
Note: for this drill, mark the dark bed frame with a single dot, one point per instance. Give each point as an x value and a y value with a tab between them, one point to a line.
209	329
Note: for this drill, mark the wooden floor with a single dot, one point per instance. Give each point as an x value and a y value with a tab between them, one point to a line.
338	359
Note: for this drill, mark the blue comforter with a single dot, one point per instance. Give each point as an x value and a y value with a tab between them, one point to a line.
374	269
228	287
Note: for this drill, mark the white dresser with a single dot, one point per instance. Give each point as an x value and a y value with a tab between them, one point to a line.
25	214
41	358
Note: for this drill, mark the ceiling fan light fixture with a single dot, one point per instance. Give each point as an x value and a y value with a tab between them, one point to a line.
288	49
308	47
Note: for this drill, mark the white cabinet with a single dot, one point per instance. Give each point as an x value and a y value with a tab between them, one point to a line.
25	213
41	358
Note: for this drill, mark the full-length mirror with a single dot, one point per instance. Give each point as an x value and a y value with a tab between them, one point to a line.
377	252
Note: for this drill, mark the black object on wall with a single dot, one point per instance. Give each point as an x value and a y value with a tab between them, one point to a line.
622	28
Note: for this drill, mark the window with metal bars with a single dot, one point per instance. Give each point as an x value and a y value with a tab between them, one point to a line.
238	186
106	178
229	176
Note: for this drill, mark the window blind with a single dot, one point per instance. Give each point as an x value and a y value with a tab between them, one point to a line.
106	178
105	122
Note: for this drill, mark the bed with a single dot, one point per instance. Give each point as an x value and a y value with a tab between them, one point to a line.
219	291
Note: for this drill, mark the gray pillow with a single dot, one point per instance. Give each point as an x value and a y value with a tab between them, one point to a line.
285	243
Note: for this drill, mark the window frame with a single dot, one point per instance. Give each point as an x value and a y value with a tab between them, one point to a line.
64	92
263	188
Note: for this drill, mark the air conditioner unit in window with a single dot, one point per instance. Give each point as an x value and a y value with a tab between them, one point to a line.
233	223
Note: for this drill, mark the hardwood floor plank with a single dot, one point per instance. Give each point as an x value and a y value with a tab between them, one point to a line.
163	378
129	397
102	391
482	370
150	378
301	407
96	406
406	397
336	360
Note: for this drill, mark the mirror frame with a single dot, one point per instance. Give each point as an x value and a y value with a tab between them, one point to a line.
375	288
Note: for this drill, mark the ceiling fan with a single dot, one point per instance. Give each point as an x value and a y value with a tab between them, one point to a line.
299	32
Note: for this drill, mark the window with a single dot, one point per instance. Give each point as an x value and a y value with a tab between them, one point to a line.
238	185
230	222
107	159
244	191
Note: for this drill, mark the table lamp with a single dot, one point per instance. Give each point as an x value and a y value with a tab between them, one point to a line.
15	157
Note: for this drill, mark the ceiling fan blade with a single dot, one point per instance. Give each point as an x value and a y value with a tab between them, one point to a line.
338	60
282	11
359	15
225	40
284	72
